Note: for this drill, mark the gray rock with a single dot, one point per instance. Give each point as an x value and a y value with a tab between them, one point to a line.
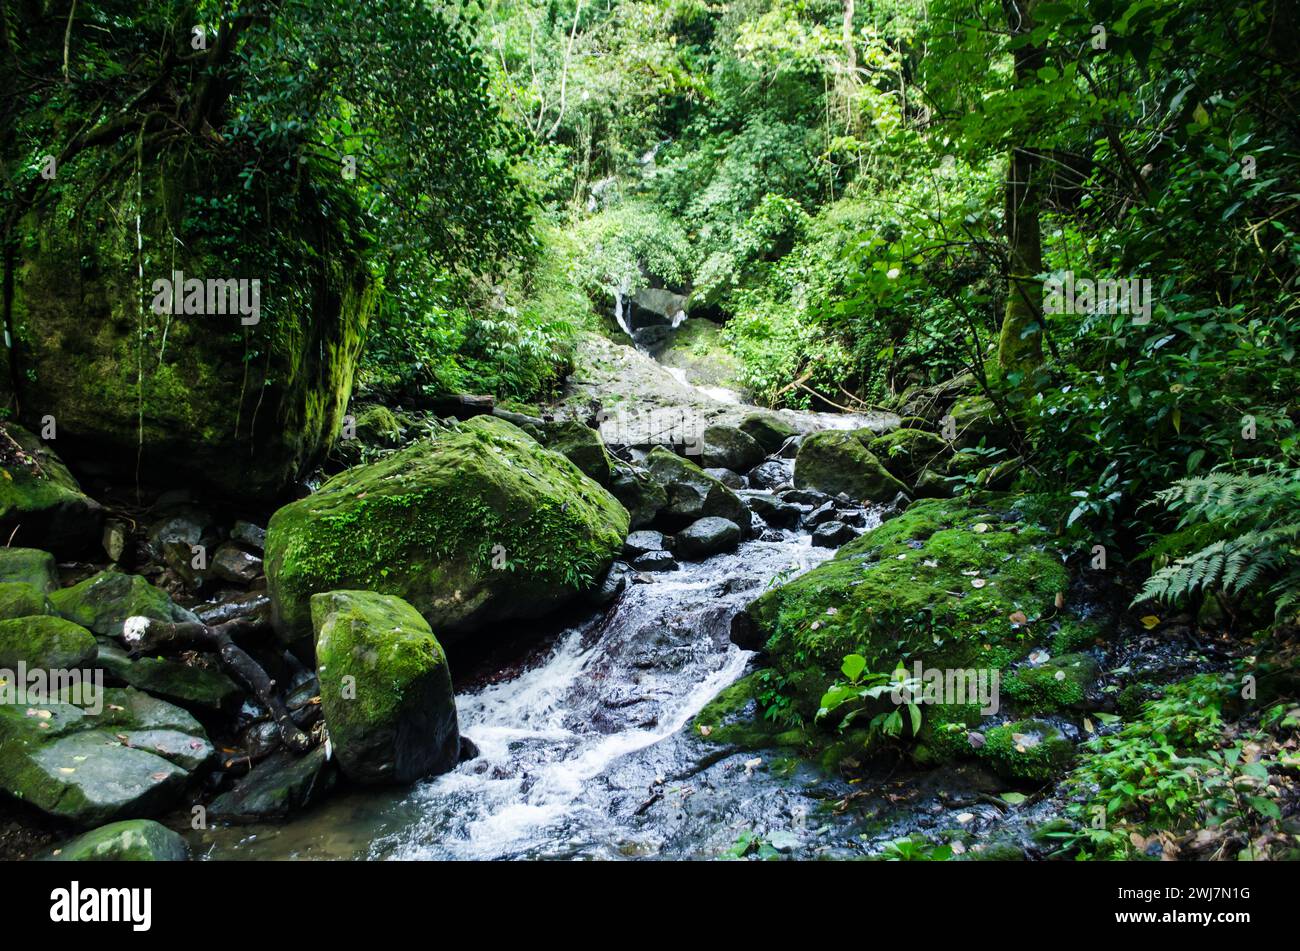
833	535
804	497
707	536
732	480
770	475
825	512
231	563
248	535
638	543
279	786
655	561
774	512
132	840
726	447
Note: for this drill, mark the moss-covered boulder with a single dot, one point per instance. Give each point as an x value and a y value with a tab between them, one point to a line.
767	430
104	601
835	461
1027	750
19	599
40	502
192	687
477	525
976	420
239	399
93	759
950	583
132	840
691	492
280	786
578	443
1060	683
29	566
46	642
385	688
906	453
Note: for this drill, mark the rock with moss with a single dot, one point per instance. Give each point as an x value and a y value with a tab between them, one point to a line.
768	430
239	398
952	583
378	425
1027	751
1061	683
46	642
477	525
835	461
192	687
93	759
726	447
385	688
578	443
707	536
735	718
976	421
40	502
132	840
641	495
30	566
19	599
280	786
104	601
692	493
907	453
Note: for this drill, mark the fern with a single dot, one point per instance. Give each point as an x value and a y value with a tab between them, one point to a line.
1248	529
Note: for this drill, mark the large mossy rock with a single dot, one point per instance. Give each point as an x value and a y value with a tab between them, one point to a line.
29	566
244	408
768	430
194	688
637	492
385	688
104	601
726	447
46	642
40	502
949	583
19	599
834	461
477	525
132	840
578	443
121	754
691	492
906	453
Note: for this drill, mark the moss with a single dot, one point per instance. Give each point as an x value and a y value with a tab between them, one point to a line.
478	524
30	566
1075	633
104	601
1059	684
132	840
906	453
18	599
908	591
735	718
40	501
769	431
1028	750
45	642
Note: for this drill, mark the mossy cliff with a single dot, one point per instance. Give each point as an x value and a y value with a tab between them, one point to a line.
243	408
478	524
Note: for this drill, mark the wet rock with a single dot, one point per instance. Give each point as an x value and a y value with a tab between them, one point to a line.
833	535
132	840
826	512
638	493
932	485
808	497
233	605
231	563
776	513
577	442
475	526
692	492
190	687
610	587
385	688
707	536
908	452
770	475
187	524
280	786
732	480
104	601
31	566
726	447
768	430
638	543
834	461
655	561
40	502
73	761
113	539
249	535
19	599
260	740
47	643
183	561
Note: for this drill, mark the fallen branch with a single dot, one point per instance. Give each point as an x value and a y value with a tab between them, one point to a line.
145	635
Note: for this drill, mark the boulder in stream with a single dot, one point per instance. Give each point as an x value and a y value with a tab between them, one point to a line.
707	536
40	501
834	461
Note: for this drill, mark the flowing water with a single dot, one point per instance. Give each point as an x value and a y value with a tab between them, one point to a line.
586	752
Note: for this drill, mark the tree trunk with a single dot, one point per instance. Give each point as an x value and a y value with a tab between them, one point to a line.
1020	345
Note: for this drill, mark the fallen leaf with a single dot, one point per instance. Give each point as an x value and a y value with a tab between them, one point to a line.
1150	621
1014	798
1017	617
705	730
